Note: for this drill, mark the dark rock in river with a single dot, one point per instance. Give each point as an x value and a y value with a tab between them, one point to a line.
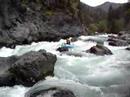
128	48
6	78
53	92
99	50
25	21
126	37
62	49
120	40
117	42
74	39
26	69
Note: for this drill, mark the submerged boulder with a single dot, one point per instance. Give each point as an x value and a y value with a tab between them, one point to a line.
64	93
53	92
52	87
76	54
99	50
26	69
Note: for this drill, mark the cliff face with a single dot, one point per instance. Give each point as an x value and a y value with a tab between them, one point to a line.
24	21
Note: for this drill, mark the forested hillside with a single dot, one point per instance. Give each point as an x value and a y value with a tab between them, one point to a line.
108	17
119	19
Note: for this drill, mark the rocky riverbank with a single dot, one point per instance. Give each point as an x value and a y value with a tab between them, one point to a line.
121	39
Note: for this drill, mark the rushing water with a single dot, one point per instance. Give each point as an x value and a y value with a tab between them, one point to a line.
86	76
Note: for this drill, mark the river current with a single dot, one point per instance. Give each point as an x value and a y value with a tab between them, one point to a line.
87	76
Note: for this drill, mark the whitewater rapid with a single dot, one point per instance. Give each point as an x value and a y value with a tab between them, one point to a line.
86	76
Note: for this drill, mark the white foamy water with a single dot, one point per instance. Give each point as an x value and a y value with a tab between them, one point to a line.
79	90
16	91
86	76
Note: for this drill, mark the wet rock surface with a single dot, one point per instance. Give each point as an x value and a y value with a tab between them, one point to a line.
62	49
122	39
27	69
117	42
99	50
53	92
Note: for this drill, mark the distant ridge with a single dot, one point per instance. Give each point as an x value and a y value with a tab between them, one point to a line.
96	18
105	6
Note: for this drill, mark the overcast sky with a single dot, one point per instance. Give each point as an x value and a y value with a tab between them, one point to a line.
98	2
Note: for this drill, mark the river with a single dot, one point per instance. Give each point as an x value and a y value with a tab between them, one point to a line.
86	76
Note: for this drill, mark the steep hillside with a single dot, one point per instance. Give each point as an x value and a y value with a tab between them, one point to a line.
91	15
119	19
108	17
105	6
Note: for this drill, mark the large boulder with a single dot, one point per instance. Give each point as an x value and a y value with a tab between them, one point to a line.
99	50
27	69
53	92
6	78
25	21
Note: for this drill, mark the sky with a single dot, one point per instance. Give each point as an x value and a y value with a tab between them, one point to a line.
98	2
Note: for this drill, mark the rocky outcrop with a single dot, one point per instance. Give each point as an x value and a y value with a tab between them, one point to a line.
125	37
24	21
117	42
122	39
53	92
99	50
6	78
26	69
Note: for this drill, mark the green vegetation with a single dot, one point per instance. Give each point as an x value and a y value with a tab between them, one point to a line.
74	6
24	1
102	26
48	12
112	21
92	28
118	19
